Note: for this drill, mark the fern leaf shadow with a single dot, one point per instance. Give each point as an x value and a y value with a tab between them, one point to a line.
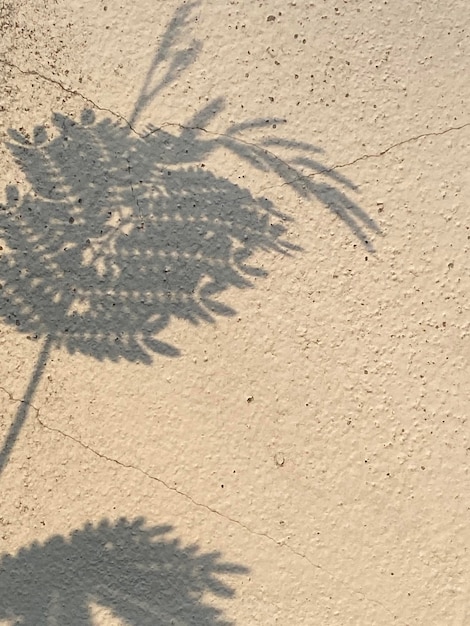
114	239
117	233
136	572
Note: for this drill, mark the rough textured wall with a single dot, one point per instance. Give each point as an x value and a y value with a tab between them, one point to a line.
234	312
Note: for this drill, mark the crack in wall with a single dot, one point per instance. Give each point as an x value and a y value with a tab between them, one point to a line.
13	399
376	155
326	170
231	138
201	505
124	120
69	90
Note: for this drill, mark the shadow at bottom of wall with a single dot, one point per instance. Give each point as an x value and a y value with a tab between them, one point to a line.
137	573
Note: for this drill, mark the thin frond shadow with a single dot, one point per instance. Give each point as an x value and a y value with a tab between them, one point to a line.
137	573
118	232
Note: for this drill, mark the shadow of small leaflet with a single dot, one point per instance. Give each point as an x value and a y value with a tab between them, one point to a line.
137	573
121	232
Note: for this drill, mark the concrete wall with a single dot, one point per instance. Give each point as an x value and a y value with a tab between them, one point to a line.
234	327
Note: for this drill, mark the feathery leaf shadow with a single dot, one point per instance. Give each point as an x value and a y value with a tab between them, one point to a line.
120	232
136	572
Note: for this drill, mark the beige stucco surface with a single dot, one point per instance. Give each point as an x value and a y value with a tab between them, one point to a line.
235	297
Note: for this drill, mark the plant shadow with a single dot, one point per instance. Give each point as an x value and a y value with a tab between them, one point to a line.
118	235
118	232
137	573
